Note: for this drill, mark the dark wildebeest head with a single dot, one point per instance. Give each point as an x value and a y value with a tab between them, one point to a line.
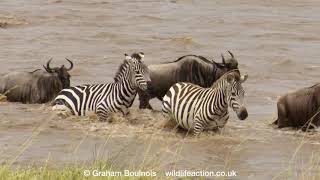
62	72
230	63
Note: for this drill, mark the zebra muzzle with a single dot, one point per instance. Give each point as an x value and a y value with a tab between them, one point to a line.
242	113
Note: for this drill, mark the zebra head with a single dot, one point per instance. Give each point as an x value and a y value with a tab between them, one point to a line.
141	76
235	93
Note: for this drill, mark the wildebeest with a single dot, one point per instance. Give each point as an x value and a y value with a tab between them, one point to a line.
300	108
38	86
190	68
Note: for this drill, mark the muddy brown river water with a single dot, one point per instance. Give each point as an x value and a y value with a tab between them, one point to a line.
276	42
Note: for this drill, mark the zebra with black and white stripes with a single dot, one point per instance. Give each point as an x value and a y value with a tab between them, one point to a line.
106	98
196	108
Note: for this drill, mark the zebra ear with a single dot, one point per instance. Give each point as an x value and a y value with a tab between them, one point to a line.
244	78
127	57
141	54
230	78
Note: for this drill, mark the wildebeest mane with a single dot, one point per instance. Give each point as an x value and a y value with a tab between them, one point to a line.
35	70
203	72
49	87
313	86
202	58
234	72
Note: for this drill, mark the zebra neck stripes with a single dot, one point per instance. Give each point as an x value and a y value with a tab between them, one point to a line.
127	91
126	86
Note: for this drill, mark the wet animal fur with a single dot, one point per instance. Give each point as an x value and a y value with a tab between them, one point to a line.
299	108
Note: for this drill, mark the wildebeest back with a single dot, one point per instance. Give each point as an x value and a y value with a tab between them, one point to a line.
302	104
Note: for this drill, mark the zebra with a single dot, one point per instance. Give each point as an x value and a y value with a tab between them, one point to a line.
106	98
196	108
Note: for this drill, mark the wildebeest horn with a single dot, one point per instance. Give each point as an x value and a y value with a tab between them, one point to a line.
71	64
231	54
244	78
223	60
47	68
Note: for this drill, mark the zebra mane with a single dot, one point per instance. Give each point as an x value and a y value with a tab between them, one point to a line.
120	71
234	72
